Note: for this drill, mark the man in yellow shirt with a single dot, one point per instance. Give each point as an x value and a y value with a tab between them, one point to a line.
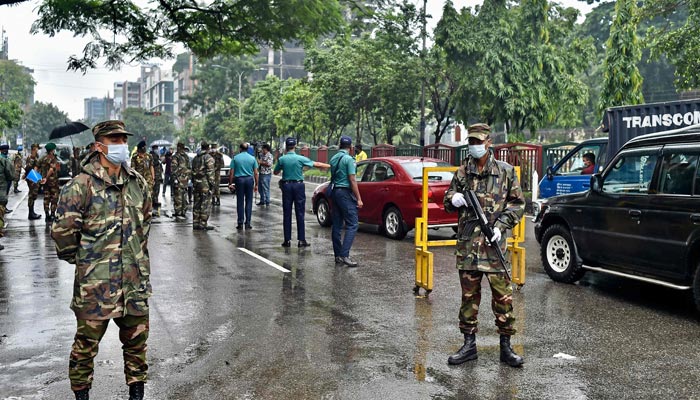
359	154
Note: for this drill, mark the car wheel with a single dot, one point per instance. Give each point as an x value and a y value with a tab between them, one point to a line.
323	213
559	255
392	224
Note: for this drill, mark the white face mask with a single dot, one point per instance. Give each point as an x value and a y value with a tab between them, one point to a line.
477	150
117	153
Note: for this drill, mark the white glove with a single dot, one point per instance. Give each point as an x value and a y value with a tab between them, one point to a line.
496	235
458	200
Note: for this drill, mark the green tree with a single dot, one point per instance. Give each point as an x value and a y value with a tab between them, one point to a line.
622	82
259	110
16	84
123	32
518	63
675	36
300	112
10	114
40	121
442	86
217	79
148	127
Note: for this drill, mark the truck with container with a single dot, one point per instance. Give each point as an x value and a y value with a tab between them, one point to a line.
621	124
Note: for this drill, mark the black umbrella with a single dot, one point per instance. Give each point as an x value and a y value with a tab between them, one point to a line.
68	129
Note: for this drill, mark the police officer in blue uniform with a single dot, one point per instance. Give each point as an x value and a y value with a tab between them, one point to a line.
292	184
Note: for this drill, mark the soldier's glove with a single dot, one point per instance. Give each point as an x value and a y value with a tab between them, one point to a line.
458	200
496	236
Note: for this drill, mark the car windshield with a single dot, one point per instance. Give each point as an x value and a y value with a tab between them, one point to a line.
415	169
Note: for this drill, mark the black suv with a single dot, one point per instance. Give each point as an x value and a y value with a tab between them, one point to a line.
640	219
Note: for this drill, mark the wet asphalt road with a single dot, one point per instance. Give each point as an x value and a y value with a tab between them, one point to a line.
225	325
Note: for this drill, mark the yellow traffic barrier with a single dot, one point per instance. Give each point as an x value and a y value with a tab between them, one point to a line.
424	258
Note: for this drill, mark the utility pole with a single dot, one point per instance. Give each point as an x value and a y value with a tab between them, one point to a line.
422	83
240	76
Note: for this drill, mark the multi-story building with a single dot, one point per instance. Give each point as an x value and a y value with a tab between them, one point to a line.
157	89
284	64
126	95
98	109
183	87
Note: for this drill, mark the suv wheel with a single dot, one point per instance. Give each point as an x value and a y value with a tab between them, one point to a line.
392	224
559	255
323	213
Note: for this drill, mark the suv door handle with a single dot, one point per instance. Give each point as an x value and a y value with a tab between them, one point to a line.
634	214
695	218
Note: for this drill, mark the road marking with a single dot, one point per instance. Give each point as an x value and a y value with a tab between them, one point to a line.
14	208
263	259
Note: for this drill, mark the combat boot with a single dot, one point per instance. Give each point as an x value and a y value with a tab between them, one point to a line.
467	352
136	391
33	215
82	394
508	356
47	218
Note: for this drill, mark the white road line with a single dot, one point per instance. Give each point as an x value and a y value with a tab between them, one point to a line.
14	208
263	259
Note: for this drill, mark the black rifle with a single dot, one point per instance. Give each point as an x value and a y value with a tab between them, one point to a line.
473	202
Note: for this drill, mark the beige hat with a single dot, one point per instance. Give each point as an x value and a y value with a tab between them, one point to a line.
479	131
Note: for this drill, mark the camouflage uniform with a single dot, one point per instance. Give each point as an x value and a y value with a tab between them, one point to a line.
218	164
502	200
31	163
51	189
17	161
102	228
141	163
158	172
203	180
181	173
6	176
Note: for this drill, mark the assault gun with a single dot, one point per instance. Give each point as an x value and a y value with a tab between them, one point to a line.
486	229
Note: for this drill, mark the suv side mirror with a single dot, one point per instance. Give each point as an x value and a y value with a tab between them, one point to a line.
550	174
597	183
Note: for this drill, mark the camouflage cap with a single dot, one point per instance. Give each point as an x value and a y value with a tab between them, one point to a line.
35	145
181	145
479	131
107	128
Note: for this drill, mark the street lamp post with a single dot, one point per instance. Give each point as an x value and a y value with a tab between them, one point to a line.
240	77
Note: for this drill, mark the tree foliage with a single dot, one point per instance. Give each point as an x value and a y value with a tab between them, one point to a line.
217	79
122	32
39	121
622	82
148	127
518	63
10	114
16	84
677	38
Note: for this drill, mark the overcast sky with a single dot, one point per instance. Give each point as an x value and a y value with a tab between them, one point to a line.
48	57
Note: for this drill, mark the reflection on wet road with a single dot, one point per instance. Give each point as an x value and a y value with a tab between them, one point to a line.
226	324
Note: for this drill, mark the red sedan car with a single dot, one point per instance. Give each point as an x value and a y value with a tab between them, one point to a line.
391	192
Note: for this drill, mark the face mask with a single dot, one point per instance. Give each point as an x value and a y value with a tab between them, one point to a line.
477	150
117	153
3	155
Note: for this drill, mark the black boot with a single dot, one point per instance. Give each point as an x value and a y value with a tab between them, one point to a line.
83	394
467	352
508	356
47	218
33	215
136	391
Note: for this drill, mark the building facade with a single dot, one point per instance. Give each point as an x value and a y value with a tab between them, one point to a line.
98	109
157	88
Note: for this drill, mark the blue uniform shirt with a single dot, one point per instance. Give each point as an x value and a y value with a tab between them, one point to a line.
292	166
243	164
342	166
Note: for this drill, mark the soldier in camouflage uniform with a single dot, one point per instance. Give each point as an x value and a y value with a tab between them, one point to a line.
203	180
142	163
75	166
502	200
112	279
49	167
6	176
17	162
32	163
158	178
181	174
218	164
